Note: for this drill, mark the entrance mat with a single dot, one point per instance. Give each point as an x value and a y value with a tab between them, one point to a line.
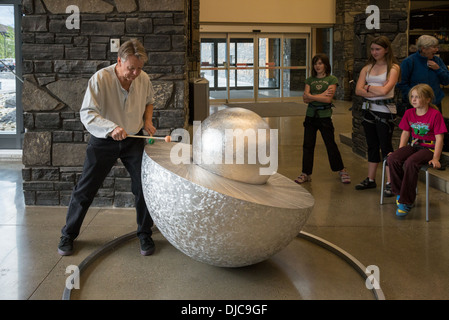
273	109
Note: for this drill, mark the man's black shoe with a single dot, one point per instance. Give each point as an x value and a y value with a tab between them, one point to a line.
65	247
147	246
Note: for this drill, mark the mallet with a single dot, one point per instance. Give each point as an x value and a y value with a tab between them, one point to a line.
151	138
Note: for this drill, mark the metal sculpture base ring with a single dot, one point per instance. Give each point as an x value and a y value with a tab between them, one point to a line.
353	262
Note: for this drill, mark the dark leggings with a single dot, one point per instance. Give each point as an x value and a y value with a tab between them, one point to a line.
378	135
326	127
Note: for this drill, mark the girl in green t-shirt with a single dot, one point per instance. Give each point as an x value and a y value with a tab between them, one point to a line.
319	92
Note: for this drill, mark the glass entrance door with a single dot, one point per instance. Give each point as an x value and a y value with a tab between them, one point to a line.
241	68
269	68
11	127
214	57
254	67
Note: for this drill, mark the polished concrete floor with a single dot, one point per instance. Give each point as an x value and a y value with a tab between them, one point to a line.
410	254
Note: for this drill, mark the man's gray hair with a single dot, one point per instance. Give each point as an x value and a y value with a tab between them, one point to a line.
132	48
426	41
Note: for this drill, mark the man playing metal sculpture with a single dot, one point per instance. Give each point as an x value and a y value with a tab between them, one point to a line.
118	102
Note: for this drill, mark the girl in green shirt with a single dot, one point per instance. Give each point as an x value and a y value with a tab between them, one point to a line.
319	92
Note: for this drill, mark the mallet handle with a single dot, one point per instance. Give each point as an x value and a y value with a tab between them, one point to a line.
146	137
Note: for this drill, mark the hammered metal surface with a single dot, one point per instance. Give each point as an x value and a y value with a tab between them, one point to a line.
210	145
216	220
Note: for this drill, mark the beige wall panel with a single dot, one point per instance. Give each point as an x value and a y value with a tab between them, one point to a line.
268	11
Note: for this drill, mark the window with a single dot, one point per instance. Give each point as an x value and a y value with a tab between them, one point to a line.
11	123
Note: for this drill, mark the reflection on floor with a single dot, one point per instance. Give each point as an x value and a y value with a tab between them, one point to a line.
249	94
411	255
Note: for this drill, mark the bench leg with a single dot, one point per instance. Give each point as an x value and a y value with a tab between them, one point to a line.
384	164
427	195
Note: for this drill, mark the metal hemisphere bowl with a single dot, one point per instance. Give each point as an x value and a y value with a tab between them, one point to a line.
216	220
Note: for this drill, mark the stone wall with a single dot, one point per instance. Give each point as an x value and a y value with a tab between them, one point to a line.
58	60
345	44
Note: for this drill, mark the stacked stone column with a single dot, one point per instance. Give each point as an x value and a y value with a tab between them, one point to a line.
59	60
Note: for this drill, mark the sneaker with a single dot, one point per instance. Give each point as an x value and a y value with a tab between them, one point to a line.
366	184
303	177
147	246
387	190
403	209
344	177
397	202
65	247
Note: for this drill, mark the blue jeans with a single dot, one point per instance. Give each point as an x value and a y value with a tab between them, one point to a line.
101	155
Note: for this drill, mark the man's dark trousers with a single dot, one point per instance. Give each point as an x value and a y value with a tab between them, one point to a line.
101	155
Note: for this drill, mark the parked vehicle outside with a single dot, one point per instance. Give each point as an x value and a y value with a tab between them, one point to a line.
7	65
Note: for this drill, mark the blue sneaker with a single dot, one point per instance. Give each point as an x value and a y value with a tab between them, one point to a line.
403	209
